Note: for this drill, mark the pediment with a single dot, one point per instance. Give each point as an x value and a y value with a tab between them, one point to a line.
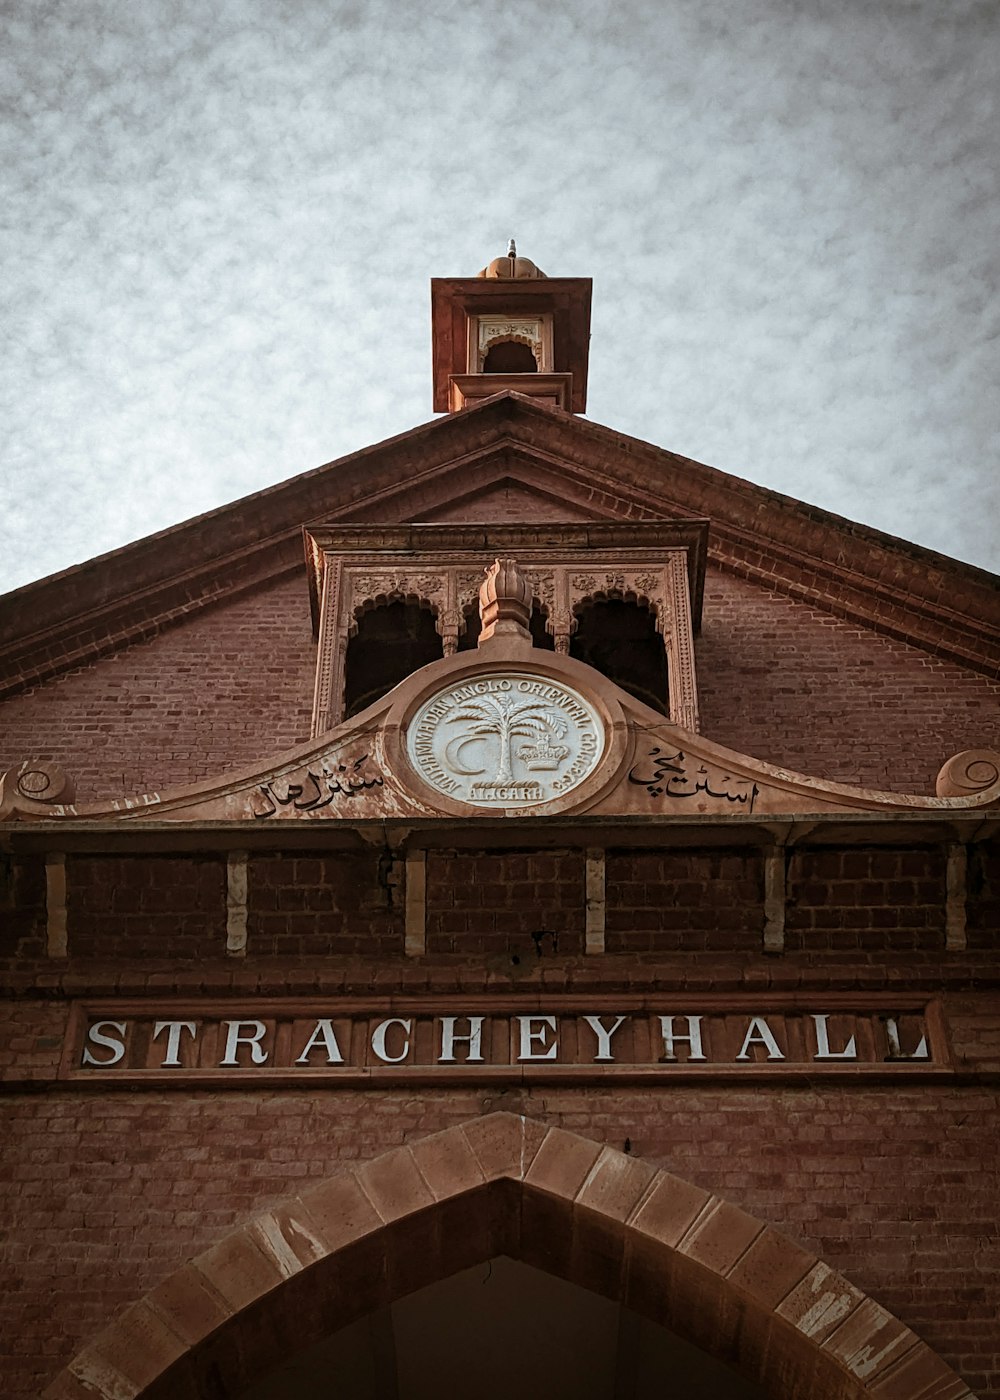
512	500
577	487
505	732
507	444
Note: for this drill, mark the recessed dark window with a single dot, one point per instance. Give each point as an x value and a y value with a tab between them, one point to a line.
390	644
620	640
509	357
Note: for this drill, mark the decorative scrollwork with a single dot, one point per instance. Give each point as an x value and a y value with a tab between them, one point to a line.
969	773
374	585
467	584
423	584
33	786
542	586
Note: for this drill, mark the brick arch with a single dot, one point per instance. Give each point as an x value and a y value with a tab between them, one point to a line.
504	1184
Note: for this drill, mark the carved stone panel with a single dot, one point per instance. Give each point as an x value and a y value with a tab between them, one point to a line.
505	740
446	580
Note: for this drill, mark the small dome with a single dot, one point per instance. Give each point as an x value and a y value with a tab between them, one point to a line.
511	266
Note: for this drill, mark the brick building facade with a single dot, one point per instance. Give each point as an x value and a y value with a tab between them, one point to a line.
577	976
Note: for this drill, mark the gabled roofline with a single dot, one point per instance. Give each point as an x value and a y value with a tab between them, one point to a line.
904	590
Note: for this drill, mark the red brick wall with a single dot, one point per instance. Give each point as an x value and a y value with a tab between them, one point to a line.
983	880
22	909
683	901
231	684
778	680
314	905
525	904
894	1187
156	907
871	900
784	682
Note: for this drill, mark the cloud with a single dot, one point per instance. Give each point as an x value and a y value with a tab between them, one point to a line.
219	227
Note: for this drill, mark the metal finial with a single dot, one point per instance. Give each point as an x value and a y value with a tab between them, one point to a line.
512	249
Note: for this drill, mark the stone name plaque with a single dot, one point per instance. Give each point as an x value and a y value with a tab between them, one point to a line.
343	1044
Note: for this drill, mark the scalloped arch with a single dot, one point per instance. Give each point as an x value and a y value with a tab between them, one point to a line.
504	1184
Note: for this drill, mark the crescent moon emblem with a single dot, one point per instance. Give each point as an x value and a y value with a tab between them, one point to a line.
452	754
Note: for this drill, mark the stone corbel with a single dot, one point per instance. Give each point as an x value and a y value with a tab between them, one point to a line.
955	940
56	933
415	930
596	893
237	863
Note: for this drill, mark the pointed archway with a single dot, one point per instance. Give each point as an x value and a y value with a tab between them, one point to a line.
507	1185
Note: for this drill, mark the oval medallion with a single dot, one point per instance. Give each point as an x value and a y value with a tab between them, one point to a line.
505	740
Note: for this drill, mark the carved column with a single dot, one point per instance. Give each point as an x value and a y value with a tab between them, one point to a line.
680	650
450	617
328	700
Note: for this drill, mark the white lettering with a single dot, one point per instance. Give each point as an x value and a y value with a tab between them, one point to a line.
96	1037
324	1035
235	1037
533	1031
671	1038
173	1029
449	1038
896	1051
378	1040
760	1033
603	1035
823	1051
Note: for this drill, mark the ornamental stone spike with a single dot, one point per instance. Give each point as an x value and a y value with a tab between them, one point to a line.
505	602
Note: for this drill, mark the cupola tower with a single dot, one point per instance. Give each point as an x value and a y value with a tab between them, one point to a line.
510	328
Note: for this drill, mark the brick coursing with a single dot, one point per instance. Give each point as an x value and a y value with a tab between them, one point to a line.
778	680
791	684
684	901
852	906
894	1188
316	906
800	662
520	904
224	688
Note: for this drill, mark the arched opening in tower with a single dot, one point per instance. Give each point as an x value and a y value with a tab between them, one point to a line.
620	640
510	357
391	643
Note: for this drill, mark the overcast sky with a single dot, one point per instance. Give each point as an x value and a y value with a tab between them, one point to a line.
220	222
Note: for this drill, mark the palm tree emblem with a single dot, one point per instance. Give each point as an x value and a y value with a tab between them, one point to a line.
504	718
